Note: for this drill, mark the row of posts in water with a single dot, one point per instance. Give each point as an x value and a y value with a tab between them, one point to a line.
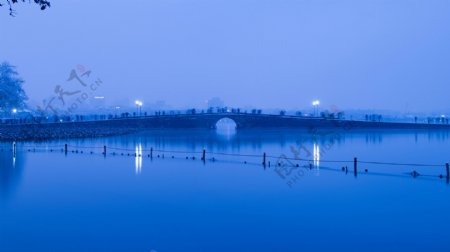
264	162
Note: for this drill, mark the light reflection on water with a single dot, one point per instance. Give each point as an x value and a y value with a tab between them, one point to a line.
12	165
84	195
316	155
138	158
428	147
14	151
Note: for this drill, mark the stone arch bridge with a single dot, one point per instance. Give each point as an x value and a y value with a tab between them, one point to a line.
127	125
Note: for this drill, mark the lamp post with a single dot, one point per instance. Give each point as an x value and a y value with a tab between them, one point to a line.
139	106
14	112
117	110
316	104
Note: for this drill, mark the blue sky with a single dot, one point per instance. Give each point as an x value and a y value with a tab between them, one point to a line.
373	54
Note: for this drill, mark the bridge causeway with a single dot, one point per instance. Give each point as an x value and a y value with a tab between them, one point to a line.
125	125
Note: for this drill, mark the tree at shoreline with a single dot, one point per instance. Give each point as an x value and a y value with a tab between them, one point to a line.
12	95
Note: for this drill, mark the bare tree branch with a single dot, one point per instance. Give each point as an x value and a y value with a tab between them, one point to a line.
43	4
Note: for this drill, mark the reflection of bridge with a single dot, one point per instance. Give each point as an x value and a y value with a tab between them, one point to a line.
202	120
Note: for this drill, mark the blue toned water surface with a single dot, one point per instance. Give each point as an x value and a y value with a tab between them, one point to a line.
127	201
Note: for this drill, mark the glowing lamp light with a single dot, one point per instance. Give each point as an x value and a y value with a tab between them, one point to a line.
316	104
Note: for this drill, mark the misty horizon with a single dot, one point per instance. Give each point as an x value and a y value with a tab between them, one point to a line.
383	56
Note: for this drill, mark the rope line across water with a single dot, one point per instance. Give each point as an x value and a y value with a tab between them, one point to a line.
279	158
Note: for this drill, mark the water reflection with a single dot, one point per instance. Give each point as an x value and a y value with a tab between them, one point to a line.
232	140
305	144
374	138
82	189
138	158
226	128
11	169
316	155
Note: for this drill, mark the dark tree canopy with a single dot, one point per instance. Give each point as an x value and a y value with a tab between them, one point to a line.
12	95
43	4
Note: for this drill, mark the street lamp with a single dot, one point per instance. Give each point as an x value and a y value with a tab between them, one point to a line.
117	110
14	111
316	104
139	106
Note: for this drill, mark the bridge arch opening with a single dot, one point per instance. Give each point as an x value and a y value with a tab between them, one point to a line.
226	126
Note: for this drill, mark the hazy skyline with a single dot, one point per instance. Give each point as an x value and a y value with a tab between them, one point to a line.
269	54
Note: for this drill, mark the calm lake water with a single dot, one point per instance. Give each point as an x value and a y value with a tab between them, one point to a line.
50	201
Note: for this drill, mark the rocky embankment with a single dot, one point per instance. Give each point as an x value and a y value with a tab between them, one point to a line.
36	132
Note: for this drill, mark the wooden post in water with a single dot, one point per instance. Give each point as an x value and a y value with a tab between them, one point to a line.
204	155
151	152
448	171
264	159
65	149
355	165
104	150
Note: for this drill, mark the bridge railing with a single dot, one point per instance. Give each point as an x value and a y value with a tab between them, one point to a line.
36	119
